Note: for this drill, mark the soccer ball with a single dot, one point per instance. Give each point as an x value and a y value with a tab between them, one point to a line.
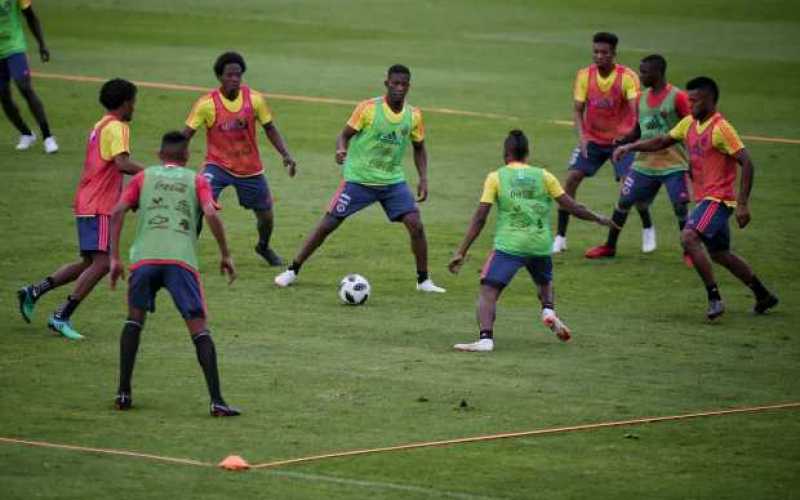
354	289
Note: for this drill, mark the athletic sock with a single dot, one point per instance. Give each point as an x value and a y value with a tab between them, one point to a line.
295	266
207	357
128	346
486	334
758	288
619	217
422	276
65	310
548	305
647	221
563	221
41	288
713	292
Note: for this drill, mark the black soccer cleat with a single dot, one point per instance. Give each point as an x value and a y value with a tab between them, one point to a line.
715	309
223	410
26	302
123	401
764	304
269	255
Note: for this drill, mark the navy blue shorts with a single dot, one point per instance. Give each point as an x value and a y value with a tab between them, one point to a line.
597	156
14	67
253	192
93	235
396	200
500	268
182	283
637	187
710	219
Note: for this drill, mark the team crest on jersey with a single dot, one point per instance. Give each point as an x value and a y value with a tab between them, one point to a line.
389	138
233	125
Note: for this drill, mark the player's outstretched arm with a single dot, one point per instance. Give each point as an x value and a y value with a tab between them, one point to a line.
126	165
421	162
117	220
188	132
577	119
566	202
474	230
742	211
218	230
36	28
342	141
276	140
654	144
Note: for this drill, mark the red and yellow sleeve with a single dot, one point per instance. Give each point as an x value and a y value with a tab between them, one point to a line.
581	88
552	185
202	114
262	111
362	115
114	140
630	84
680	130
417	126
490	186
726	139
24	4
132	191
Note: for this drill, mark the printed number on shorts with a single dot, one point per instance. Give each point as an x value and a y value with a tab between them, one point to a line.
627	185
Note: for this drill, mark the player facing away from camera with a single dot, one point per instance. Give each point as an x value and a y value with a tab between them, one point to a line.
714	150
170	199
99	188
604	112
661	107
524	197
230	114
371	147
14	66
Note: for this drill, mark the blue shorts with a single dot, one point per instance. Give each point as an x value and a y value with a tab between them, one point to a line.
253	192
500	268
93	235
396	200
597	156
710	219
13	67
637	187
182	283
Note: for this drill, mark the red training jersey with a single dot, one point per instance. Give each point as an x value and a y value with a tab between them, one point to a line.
231	141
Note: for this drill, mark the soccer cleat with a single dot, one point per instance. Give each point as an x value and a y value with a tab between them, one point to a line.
687	259
430	287
272	258
123	401
223	410
63	327
483	345
715	309
26	303
26	141
764	304
600	251
286	278
559	244
649	239
50	145
555	325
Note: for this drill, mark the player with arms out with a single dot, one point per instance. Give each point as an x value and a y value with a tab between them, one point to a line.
107	160
170	199
661	107
604	112
714	150
524	197
229	114
14	66
371	147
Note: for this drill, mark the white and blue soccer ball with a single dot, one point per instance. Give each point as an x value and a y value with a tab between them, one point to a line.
354	289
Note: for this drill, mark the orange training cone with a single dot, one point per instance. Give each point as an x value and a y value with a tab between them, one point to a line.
234	462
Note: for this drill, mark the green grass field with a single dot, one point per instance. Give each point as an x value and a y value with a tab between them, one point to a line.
314	376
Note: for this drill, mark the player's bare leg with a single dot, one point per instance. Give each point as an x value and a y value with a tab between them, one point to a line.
29	294
325	227
37	110
265	222
12	112
741	269
693	246
486	313
574	179
419	247
59	321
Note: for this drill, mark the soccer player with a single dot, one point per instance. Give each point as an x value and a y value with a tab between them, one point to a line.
229	114
170	200
714	150
371	147
661	107
107	160
524	197
14	65
605	111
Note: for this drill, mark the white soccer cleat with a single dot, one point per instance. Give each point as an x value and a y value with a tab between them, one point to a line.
430	287
50	145
483	345
555	325
559	244
286	278
649	239
25	142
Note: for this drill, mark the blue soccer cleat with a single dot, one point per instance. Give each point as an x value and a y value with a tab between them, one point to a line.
26	303
63	327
